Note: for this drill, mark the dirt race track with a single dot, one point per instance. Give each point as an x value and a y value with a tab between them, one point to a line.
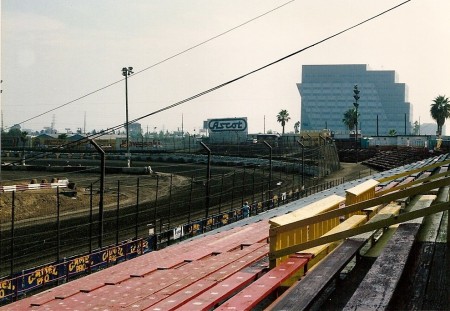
35	203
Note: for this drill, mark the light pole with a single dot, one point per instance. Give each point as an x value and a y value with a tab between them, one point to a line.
356	97
127	72
102	191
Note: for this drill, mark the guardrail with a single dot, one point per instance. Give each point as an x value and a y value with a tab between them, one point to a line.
63	183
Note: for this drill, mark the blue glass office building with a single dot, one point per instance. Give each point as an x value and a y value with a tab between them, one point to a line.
327	93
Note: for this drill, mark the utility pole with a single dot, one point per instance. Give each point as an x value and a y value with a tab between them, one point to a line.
127	72
356	97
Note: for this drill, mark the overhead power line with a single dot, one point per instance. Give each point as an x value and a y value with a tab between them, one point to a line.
162	61
269	64
104	132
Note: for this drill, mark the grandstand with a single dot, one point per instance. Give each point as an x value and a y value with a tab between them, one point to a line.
372	244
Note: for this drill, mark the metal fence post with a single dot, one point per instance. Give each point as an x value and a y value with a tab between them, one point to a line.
170	200
270	167
208	180
58	225
0	244
117	212
243	188
232	190
221	192
90	219
136	230
13	212
155	215
102	191
253	185
190	200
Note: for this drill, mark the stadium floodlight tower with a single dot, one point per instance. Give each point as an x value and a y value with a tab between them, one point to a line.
127	72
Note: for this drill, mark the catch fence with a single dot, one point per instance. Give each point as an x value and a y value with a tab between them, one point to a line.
69	247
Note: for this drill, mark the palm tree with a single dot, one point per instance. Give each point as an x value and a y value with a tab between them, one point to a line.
416	128
440	110
392	132
350	118
283	117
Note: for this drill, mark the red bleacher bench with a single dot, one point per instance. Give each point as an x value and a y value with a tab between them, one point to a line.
252	295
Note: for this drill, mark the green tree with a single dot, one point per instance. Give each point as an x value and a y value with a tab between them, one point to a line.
23	139
14	132
392	132
62	136
283	117
416	128
297	127
350	118
440	110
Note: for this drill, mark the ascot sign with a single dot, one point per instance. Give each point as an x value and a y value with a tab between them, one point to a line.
229	124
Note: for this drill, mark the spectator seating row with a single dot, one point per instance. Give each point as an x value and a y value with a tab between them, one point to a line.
230	269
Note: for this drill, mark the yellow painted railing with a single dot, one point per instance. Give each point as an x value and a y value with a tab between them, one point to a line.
285	230
362	192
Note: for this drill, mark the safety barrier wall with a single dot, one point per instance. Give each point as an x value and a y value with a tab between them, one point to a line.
285	230
60	272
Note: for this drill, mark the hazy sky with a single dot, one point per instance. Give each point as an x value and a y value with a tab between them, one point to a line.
55	51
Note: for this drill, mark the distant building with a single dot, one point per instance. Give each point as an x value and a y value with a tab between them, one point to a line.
327	93
135	129
430	129
48	130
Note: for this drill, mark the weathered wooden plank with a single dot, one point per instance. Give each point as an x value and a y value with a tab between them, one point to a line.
437	294
414	298
376	290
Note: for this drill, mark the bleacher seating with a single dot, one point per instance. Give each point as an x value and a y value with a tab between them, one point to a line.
302	295
388	159
230	269
377	289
